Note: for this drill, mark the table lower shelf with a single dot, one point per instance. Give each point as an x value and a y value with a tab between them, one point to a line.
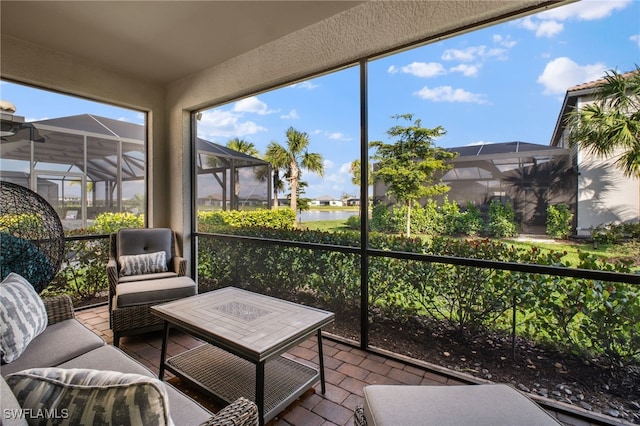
229	377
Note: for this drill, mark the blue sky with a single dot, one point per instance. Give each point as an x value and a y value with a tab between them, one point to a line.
500	84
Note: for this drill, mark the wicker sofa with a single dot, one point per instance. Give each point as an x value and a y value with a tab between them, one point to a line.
67	344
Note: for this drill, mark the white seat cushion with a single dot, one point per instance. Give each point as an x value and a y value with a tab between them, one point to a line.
473	405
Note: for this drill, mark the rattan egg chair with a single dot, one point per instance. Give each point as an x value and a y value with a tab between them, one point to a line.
31	236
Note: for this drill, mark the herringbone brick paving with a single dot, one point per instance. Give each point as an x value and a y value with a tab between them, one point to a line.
348	370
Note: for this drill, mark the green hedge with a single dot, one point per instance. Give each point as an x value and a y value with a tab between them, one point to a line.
587	317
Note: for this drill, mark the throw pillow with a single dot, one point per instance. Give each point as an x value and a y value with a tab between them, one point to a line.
90	397
139	264
22	316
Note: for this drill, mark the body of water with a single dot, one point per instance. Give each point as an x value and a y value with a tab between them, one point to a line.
314	215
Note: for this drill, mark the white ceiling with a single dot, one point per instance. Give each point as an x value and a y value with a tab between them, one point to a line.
162	41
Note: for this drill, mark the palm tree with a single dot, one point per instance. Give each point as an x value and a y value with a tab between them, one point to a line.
244	147
294	158
354	169
612	122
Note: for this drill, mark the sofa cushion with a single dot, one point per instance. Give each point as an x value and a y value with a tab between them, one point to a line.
12	414
153	291
140	264
88	396
184	410
58	343
22	316
477	405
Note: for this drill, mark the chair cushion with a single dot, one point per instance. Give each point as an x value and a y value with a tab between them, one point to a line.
153	291
477	405
140	264
22	316
87	396
132	241
156	276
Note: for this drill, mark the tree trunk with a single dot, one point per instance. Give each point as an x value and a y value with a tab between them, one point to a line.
276	179
293	183
408	220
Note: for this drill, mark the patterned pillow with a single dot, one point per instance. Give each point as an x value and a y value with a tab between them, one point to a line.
22	316
139	264
90	397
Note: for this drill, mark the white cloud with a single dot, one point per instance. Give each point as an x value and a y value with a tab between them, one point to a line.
549	23
293	115
467	70
338	136
345	168
420	69
252	104
463	55
449	94
504	41
482	52
328	164
585	10
542	28
304	85
563	73
636	39
218	123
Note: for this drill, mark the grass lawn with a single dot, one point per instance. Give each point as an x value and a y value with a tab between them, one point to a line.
572	248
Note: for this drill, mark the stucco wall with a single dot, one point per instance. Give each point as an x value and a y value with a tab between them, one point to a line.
605	195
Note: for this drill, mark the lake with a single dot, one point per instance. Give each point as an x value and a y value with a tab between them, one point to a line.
314	215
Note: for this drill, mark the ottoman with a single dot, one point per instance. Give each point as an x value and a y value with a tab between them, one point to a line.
477	405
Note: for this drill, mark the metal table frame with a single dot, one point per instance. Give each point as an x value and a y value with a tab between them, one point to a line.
222	366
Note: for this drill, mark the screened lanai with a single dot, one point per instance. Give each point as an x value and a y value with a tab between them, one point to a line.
529	176
85	165
228	179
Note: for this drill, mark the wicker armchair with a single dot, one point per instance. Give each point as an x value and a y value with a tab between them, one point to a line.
131	296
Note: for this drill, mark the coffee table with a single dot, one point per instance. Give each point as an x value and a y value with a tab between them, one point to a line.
246	334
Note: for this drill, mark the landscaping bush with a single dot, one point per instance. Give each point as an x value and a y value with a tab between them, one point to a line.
208	221
470	221
501	220
559	221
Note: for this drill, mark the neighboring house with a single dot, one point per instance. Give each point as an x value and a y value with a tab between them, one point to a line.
603	193
326	200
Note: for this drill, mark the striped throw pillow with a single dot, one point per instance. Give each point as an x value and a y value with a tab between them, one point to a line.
139	264
22	316
79	396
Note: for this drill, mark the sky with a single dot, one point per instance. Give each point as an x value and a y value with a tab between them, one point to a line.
503	83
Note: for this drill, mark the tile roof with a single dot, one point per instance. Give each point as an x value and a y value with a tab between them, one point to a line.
596	83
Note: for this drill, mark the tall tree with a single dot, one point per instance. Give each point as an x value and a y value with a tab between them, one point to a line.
294	158
356	177
611	124
410	165
244	147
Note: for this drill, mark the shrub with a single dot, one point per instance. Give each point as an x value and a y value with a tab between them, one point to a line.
470	221
107	223
559	221
210	221
501	220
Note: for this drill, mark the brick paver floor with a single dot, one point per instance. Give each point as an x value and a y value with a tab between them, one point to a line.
348	370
